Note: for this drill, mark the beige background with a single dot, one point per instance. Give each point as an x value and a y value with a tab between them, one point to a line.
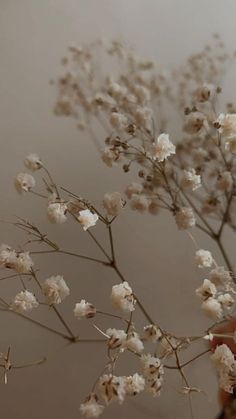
157	260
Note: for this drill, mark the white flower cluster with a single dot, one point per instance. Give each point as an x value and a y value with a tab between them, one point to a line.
113	203
23	302
227	127
87	219
225	363
191	180
215	292
153	372
162	148
122	297
21	262
185	218
55	289
84	309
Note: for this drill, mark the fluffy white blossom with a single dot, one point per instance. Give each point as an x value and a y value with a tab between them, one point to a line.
109	156
225	181
117	338
223	357
162	148
87	219
56	212
142	94
220	277
154	385
206	290
20	261
33	162
139	203
151	366
24	182
191	180
143	116
23	263
91	408
122	297
194	122
205	92
118	120
212	308
185	218
116	90
112	388
226	300
84	309
227	125
133	189
134	384
113	203
24	301
134	343
152	333
55	289
203	258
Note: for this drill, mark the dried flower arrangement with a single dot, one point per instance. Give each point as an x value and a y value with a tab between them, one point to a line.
193	179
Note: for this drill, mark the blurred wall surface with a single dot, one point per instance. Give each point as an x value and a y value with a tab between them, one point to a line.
157	260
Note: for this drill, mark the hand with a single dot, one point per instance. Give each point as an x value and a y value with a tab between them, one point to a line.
227	328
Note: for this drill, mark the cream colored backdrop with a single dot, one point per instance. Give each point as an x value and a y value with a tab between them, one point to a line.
157	260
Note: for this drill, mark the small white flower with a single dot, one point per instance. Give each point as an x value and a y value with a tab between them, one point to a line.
109	156
55	289
7	256
24	301
203	258
91	408
113	203
122	297
205	92
143	116
84	309
220	277
87	219
227	124
133	188
139	203
134	384
194	122
152	333
151	366
225	182
23	263
112	388
134	343
142	94
117	91
212	308
223	358
162	148
206	290
117	338
226	300
191	180
56	212
24	182
118	120
185	218
33	162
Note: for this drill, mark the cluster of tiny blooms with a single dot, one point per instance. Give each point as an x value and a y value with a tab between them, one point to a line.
189	173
